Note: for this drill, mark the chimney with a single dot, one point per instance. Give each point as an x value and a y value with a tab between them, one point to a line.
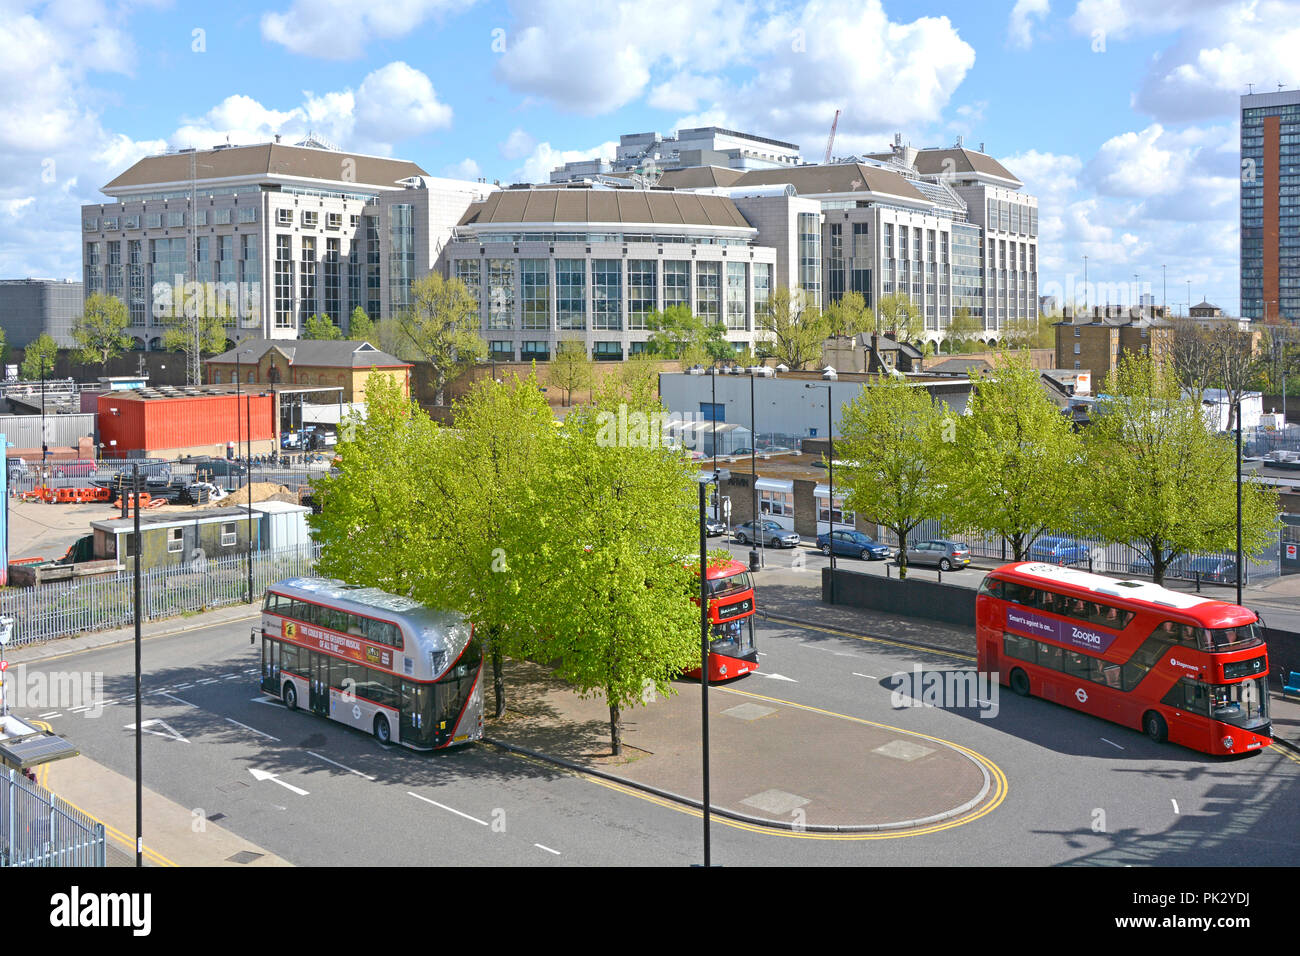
277	137
981	147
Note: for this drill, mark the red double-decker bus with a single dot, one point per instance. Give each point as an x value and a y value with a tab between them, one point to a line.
732	652
1180	667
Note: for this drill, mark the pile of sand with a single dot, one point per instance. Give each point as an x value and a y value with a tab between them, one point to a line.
257	491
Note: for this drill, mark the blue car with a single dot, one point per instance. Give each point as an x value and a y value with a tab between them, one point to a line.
854	544
1058	551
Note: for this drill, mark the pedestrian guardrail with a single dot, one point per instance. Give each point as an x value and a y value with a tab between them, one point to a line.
39	829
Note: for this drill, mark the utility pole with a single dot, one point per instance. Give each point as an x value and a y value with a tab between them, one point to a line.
193	372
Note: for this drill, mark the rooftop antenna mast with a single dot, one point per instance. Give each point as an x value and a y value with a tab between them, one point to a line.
193	370
830	142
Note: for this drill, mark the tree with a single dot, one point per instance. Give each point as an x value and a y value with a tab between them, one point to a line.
1191	356
893	461
441	326
1032	332
1234	363
680	334
627	512
360	328
1161	479
38	356
797	332
636	382
195	325
571	367
963	328
899	318
849	316
100	330
321	327
1013	462
4	346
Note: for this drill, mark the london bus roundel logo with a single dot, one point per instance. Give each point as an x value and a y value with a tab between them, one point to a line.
1082	695
356	711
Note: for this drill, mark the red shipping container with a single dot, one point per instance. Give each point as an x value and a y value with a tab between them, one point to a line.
149	424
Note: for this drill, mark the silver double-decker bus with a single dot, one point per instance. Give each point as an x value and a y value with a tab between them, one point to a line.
379	662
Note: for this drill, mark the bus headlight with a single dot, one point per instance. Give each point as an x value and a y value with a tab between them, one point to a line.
1227	743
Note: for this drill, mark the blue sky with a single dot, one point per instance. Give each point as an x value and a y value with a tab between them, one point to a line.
1120	115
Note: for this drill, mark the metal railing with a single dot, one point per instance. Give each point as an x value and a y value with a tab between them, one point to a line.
39	829
64	609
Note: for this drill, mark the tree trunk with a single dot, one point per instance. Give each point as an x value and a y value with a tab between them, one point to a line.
615	729
902	556
498	681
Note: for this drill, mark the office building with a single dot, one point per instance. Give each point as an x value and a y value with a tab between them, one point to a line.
30	308
1270	205
649	154
274	233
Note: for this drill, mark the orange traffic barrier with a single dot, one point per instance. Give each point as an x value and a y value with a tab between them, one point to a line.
103	494
65	496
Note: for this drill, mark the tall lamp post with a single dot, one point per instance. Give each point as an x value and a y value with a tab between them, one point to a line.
248	459
1238	415
713	417
704	665
830	491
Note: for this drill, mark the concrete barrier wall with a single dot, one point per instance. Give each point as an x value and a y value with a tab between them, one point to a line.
914	597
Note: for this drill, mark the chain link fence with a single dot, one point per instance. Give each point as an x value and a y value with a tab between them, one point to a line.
64	609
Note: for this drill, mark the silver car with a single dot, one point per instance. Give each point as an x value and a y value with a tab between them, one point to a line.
769	534
945	555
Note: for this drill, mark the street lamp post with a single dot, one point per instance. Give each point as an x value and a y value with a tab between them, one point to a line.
755	549
1238	414
713	416
248	461
830	491
704	664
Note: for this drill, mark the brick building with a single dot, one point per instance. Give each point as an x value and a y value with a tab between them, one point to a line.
1094	341
324	364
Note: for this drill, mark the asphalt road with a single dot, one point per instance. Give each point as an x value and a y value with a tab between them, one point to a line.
1079	790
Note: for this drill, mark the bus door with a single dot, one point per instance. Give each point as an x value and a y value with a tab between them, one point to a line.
318	694
415	719
271	666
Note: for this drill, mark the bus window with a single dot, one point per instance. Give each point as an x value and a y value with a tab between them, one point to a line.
1049	655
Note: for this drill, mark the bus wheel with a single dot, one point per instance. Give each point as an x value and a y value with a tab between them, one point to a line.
290	695
1155	727
1020	682
382	732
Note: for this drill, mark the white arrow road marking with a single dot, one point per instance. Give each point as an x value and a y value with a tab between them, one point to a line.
272	701
260	775
340	766
179	701
546	848
1175	803
1111	742
231	720
867	676
168	730
448	809
776	677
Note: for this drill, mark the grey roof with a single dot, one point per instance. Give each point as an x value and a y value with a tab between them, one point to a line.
605	205
265	160
835	178
327	353
960	366
697	177
172	518
930	162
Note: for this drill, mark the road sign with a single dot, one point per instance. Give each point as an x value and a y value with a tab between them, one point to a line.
4	666
726	506
6	629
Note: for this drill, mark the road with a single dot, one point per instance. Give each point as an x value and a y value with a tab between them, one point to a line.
1078	790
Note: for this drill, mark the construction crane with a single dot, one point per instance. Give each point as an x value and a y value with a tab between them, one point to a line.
830	142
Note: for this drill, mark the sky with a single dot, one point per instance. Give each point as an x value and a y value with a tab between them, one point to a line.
1121	116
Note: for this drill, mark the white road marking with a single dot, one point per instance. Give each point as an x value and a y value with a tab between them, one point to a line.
1112	743
260	775
867	676
107	703
53	713
340	766
170	731
546	848
184	686
179	701
449	809
762	654
816	648
1175	803
265	700
208	680
776	677
233	677
231	720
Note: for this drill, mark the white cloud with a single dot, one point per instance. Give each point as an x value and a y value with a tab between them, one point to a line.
465	169
537	167
342	29
12	207
683	91
1020	28
398	101
517	145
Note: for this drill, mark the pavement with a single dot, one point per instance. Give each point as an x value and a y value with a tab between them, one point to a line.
766	773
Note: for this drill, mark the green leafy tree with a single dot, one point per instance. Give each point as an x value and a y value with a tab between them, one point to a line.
40	354
898	317
620	618
1161	479
636	382
678	333
321	327
795	333
963	330
360	327
849	316
891	446
1014	467
441	326
571	367
4	346
100	331
1033	332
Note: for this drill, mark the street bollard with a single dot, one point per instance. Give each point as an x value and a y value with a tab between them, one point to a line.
1198	581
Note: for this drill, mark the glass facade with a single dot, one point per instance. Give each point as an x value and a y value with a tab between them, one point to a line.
332	264
138	299
1265	175
374	293
535	292
677	283
762	286
707	291
571	294
284	282
835	265
810	256
401	256
94	269
501	294
307	288
967	274
737	318
469	271
251	276
642	292
606	294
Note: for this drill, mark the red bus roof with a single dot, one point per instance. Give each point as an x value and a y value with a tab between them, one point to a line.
723	568
1207	612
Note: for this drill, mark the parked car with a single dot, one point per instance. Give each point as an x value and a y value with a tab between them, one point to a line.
1141	565
1058	551
855	544
1212	569
154	471
768	533
207	467
945	555
715	527
77	468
